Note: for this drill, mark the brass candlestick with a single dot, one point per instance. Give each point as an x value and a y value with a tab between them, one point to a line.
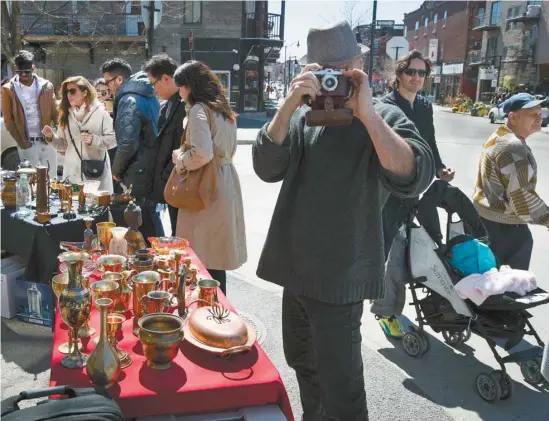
81	198
114	325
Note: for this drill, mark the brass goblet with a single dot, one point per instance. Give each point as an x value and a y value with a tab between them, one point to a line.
59	283
105	289
118	278
104	234
114	325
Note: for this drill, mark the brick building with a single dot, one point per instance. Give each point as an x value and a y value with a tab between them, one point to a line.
442	31
236	39
514	46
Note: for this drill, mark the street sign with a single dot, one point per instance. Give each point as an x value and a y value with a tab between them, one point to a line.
433	49
396	47
437	79
494	83
157	13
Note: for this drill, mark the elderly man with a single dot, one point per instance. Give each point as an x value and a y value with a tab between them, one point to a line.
505	193
325	242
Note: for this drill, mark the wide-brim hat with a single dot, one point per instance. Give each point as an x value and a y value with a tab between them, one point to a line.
332	46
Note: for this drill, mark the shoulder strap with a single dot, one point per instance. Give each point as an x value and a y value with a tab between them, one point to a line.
72	140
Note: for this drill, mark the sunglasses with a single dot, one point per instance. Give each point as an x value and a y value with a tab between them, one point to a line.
24	72
71	91
413	72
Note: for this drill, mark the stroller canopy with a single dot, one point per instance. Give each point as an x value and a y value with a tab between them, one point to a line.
443	195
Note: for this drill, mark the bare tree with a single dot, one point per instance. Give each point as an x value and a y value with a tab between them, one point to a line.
354	12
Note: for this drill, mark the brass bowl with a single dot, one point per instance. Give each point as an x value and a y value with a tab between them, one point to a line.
164	245
160	334
111	263
43	217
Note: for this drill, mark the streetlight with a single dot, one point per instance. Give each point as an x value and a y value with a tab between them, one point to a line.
286	82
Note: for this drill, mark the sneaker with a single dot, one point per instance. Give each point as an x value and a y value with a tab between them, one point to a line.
391	327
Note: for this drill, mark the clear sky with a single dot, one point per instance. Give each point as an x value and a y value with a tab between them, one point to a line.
303	14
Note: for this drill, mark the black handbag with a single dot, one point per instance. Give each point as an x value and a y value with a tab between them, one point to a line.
91	168
82	405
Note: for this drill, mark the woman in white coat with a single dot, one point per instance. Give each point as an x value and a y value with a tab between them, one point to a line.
217	233
85	132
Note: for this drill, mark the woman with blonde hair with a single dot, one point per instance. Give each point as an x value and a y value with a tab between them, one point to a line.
217	233
85	133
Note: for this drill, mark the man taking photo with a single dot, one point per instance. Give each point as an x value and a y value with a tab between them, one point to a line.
160	70
325	242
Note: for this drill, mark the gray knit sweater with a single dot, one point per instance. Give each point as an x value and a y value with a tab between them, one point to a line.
325	240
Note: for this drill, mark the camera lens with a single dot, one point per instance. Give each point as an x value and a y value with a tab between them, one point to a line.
329	83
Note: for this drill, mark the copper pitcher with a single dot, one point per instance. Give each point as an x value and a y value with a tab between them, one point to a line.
207	291
142	284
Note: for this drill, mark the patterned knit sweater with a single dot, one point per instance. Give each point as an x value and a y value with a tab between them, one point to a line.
505	191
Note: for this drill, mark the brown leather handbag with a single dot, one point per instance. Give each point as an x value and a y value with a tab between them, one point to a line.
194	190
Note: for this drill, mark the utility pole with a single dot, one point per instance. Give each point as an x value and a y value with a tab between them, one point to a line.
150	30
372	40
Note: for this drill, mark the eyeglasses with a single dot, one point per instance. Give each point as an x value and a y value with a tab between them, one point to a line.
412	72
104	93
24	72
71	91
155	82
110	80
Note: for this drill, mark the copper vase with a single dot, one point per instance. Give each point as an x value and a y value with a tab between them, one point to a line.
142	284
75	304
103	367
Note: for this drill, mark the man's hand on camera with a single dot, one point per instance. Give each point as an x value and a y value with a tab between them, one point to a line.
304	84
361	102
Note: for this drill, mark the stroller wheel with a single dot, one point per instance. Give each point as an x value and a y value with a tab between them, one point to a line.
414	345
488	387
507	385
454	338
531	370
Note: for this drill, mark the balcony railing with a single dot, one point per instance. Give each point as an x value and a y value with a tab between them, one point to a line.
523	12
83	25
519	53
476	57
270	30
486	21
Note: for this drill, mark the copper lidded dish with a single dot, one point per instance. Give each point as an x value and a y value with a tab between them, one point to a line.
220	331
164	245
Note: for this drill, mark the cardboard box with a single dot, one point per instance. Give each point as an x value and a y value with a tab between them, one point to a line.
11	270
33	302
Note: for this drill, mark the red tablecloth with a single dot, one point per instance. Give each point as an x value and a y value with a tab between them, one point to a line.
198	382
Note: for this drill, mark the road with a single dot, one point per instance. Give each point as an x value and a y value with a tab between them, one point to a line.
441	384
437	387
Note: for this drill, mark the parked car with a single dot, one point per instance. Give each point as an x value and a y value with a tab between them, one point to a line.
10	156
544	117
496	114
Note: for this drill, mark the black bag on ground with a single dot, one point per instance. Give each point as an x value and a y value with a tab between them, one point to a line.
81	405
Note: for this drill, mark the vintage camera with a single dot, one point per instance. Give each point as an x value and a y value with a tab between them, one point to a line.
328	109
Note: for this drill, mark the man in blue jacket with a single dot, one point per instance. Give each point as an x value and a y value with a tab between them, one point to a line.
136	111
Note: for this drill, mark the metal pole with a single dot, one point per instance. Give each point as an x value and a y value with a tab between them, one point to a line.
150	32
285	65
499	72
372	39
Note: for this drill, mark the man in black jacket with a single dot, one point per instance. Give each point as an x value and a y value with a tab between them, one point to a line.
135	115
160	70
410	73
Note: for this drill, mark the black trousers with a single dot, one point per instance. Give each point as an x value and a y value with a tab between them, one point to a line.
511	244
322	343
221	277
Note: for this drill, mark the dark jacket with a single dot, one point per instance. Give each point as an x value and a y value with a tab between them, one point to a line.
325	239
396	209
135	116
170	131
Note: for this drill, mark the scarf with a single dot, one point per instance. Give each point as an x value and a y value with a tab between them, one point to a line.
78	113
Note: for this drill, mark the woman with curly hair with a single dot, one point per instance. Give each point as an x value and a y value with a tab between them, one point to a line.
85	133
217	233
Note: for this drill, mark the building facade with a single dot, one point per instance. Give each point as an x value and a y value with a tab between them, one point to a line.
514	51
236	39
384	54
442	31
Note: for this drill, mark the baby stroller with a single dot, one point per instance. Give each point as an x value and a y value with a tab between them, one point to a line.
439	306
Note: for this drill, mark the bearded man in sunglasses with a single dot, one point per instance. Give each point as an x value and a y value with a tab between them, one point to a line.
411	71
29	104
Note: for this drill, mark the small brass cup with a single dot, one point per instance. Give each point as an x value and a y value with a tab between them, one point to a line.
156	302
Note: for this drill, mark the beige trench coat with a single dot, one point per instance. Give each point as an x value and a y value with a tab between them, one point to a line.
217	234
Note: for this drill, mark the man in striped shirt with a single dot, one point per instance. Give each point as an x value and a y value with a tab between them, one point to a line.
505	193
